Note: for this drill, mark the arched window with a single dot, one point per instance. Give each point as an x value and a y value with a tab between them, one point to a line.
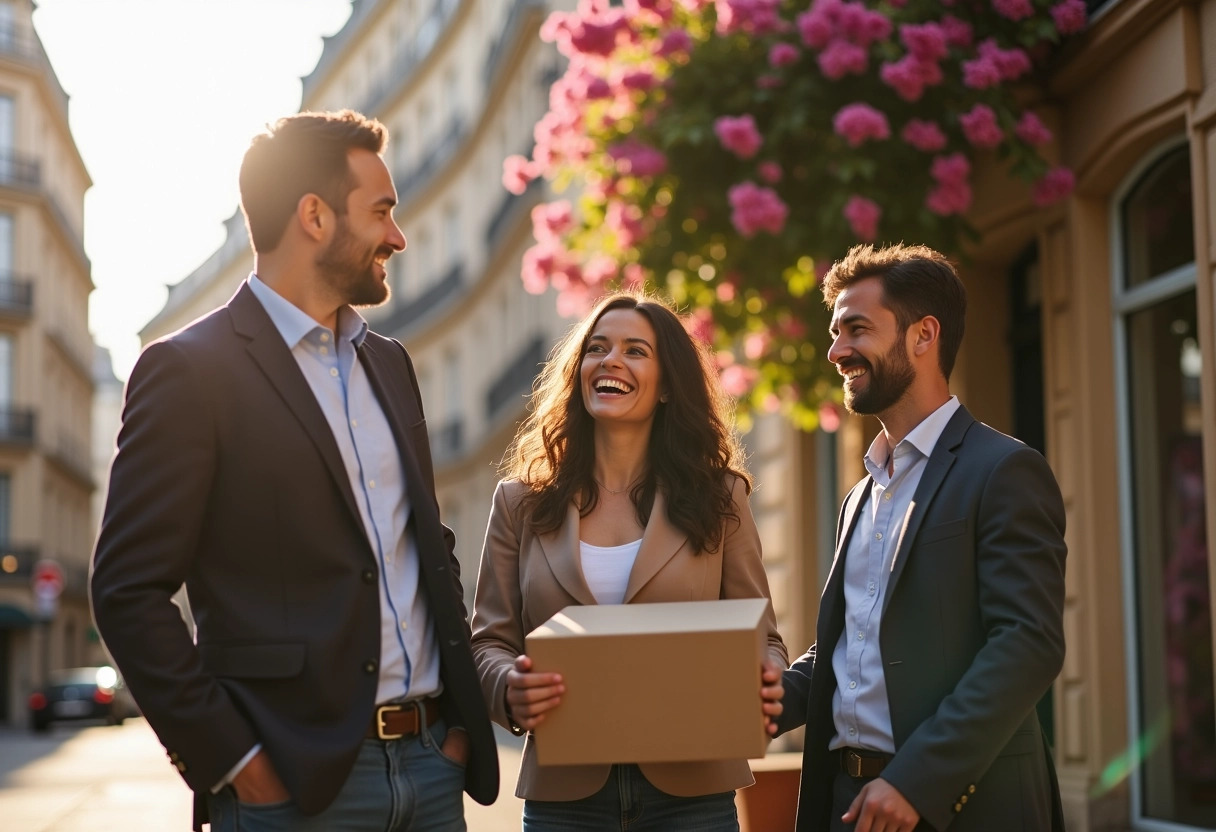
1173	711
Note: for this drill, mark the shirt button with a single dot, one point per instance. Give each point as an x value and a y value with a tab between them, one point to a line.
860	635
405	625
852	685
887	495
370	667
878	535
852	731
324	337
354	423
371	483
333	371
871	589
368	576
324	350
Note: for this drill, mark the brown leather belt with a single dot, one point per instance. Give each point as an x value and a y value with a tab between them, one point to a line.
402	719
863	765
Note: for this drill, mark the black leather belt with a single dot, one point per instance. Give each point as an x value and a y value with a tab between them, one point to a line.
861	764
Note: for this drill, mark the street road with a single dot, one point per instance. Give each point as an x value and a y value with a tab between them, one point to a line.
97	778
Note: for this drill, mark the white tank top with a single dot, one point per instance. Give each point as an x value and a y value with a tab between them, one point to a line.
606	569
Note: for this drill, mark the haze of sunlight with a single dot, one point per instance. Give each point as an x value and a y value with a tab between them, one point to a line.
165	96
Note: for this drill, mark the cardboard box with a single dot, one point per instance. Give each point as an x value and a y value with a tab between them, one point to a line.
648	683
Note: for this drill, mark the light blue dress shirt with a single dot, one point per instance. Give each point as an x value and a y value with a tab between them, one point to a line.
860	709
409	656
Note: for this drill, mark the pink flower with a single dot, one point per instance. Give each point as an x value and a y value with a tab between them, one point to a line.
980	127
958	32
815	26
756	209
700	325
768	81
675	41
654	10
738	135
1010	63
952	195
782	54
863	215
924	135
1013	9
757	17
599	270
625	222
638	79
725	292
927	41
575	300
598	88
857	123
517	172
981	73
737	380
1032	130
841	58
1054	186
583	33
755	344
540	262
909	75
634	276
552	219
770	172
1069	16
633	158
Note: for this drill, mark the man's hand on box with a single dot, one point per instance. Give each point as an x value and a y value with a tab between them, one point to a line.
531	695
771	694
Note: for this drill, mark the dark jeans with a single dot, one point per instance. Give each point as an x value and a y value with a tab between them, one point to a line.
628	803
404	785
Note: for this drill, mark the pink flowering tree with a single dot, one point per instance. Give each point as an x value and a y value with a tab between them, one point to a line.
727	151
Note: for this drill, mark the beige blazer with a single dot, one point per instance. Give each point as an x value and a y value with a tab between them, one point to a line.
525	578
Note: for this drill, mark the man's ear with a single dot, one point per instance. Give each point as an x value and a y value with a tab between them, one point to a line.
926	334
313	216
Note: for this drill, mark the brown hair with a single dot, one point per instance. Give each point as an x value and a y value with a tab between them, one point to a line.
692	446
916	282
305	153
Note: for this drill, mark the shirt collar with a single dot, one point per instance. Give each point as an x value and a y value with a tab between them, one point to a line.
295	325
923	437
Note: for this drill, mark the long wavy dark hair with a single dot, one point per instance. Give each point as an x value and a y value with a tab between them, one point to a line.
693	446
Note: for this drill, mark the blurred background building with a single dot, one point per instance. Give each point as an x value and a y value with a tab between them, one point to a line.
46	371
1091	336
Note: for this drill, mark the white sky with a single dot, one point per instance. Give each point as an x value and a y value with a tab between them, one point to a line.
165	96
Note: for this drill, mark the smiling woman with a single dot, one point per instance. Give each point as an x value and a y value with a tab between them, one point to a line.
174	178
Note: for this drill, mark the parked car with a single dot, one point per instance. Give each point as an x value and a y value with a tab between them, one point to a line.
82	693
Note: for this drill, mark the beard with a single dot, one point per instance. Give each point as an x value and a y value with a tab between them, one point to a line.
349	269
888	379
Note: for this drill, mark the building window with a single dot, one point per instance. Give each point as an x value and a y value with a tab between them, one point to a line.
1164	529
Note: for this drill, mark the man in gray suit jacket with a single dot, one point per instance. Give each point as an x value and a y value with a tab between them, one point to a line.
941	622
273	458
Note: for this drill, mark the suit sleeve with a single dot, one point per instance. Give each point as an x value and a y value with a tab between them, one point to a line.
498	632
743	574
159	488
1019	556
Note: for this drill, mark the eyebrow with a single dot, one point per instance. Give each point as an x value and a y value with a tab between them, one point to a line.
846	320
641	341
385	201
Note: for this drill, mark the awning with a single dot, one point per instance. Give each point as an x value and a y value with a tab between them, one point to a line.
14	618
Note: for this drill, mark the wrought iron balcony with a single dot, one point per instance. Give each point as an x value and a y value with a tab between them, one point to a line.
19	170
17	426
515	381
432	299
16	297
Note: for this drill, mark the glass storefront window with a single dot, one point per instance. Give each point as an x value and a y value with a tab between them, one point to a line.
1174	724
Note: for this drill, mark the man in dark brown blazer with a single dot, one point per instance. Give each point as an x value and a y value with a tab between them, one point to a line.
941	625
274	459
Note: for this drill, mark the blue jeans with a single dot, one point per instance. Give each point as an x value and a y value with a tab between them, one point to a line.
404	785
628	803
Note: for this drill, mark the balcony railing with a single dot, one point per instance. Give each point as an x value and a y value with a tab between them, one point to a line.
16	297
509	209
444	148
23	43
447	441
433	298
515	381
17	426
410	54
17	169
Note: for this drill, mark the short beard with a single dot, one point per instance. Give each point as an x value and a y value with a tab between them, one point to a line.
890	378
343	269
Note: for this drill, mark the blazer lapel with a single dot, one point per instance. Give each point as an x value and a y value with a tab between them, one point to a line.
660	542
562	552
267	349
939	464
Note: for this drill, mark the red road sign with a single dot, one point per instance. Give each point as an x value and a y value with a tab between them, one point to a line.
47	579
